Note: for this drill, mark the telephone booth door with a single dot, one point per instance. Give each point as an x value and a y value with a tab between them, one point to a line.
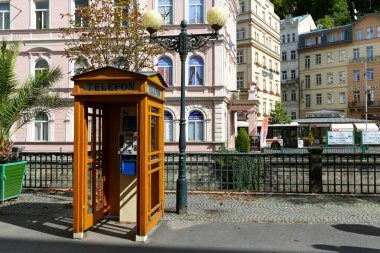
95	203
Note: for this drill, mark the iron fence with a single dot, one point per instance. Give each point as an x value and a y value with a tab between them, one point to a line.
48	170
353	173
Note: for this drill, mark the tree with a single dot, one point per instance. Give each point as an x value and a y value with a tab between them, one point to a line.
279	114
326	22
242	142
109	33
21	104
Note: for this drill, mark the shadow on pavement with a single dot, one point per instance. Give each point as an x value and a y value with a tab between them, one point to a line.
326	199
14	245
358	229
345	249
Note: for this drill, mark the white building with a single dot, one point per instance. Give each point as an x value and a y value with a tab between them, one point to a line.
291	28
211	71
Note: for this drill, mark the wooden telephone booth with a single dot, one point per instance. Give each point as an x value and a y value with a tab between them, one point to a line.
118	148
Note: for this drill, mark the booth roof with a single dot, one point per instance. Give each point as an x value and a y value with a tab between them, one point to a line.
368	126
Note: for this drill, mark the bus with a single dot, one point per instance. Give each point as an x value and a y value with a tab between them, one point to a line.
282	135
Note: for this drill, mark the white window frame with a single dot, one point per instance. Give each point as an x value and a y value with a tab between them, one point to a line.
330	57
188	12
342	97
330	98
169	124
356	75
48	16
342	55
318	79
307	101
171	14
5	24
196	124
330	78
239	57
342	76
318	99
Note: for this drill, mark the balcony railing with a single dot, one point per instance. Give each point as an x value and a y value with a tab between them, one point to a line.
361	104
365	59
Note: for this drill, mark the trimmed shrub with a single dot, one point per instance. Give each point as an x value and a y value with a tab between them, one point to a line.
242	142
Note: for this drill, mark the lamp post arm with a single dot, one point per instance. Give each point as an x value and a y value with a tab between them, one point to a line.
194	41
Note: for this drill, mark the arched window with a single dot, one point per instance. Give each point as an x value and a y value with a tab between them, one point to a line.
196	71
196	10
40	66
41	127
168	117
242	7
165	68
196	126
80	66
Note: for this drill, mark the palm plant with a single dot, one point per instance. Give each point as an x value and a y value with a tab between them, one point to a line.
19	104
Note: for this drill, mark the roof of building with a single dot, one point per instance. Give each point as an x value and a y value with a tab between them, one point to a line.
298	18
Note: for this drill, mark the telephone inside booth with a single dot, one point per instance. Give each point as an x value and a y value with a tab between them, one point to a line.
128	141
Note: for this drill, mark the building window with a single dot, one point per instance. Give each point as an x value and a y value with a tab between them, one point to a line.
284	75
285	96
309	41
342	55
356	53
288	37
318	59
165	68
307	101
307	82
283	39
293	37
256	57
369	75
42	14
196	11
318	40
342	97
237	34
293	55
293	115
165	8
283	56
41	127
293	74
4	16
356	75
370	53
342	76
318	79
329	57
359	34
330	78
264	61
243	33
307	62
369	32
168	118
196	71
329	98
331	37
341	36
239	57
80	66
356	96
40	66
242	7
318	98
79	21
293	95
195	126
240	81
378	31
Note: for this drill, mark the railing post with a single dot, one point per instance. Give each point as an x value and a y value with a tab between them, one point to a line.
315	169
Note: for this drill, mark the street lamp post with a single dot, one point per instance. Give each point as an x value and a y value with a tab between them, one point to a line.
183	44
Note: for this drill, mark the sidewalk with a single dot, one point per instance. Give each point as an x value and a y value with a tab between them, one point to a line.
41	222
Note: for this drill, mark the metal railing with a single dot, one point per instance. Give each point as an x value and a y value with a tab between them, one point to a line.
352	173
48	170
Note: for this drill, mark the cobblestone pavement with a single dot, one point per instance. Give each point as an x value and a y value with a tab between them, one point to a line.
305	209
224	207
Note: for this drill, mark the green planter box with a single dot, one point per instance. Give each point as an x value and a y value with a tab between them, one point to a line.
12	177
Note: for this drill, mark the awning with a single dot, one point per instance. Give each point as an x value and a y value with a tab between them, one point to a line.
342	127
370	126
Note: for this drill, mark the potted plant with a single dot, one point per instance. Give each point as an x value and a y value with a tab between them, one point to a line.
19	104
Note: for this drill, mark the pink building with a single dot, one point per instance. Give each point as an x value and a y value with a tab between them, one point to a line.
211	72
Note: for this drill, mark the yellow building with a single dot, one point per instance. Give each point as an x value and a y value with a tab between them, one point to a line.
332	69
323	69
364	53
